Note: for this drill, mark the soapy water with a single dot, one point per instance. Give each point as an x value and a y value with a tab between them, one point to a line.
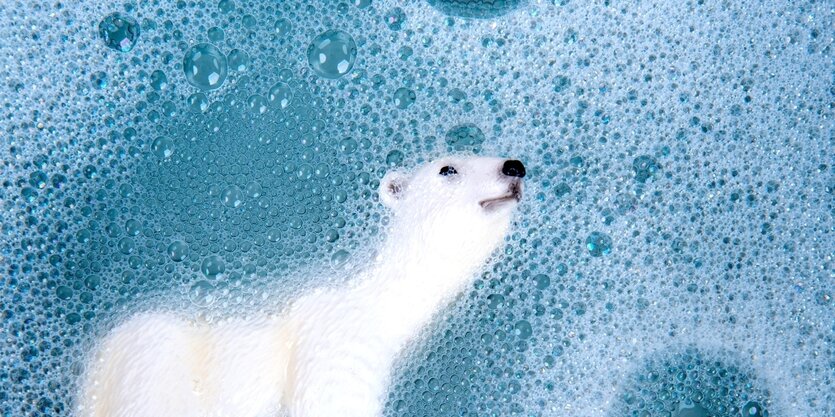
672	254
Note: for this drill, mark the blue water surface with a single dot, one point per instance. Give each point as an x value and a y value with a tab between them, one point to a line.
672	255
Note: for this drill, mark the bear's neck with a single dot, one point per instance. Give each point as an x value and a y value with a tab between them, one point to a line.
412	279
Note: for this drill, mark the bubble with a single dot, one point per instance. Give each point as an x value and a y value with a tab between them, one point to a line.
253	190
340	258
394	158
202	293
178	251
280	95
133	227
205	66
126	245
257	104
98	80
542	281
232	196
404	98
72	318
465	137
92	282
598	244
561	83
216	34
212	266
238	60
38	179
163	147
198	102
249	21
754	409
523	329
692	410
332	54
159	81
332	236
119	32
226	6
63	292
395	18
282	27
645	167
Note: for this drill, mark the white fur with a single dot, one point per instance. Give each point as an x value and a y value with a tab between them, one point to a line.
331	353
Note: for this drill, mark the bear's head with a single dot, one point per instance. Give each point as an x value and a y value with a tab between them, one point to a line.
455	209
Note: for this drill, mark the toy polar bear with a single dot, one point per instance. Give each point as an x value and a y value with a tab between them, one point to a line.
331	352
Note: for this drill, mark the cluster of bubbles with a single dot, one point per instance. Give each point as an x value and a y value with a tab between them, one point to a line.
693	384
201	156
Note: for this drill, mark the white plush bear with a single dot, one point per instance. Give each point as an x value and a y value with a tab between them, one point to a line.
331	353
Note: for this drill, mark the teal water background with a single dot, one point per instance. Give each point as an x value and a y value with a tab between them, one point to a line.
672	255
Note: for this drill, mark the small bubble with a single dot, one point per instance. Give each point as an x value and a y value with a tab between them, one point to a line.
395	18
253	190
178	250
163	147
38	179
332	54
280	95
216	34
339	259
542	281
238	60
63	292
201	293
198	102
119	32
99	80
523	329
394	158
159	81
257	104
282	27
212	266
232	196
645	167
226	6
126	245
598	244
205	66
754	409
404	98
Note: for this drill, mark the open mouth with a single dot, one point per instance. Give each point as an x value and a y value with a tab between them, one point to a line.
514	195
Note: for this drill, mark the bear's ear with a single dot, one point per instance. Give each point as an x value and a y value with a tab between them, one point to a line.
393	188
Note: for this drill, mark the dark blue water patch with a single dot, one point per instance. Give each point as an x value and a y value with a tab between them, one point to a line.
465	137
479	9
693	383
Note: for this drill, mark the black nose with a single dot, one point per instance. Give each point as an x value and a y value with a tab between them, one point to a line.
513	168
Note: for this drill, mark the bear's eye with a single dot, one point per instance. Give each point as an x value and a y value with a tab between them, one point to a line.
447	171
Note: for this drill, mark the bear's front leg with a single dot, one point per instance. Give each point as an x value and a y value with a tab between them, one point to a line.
340	363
